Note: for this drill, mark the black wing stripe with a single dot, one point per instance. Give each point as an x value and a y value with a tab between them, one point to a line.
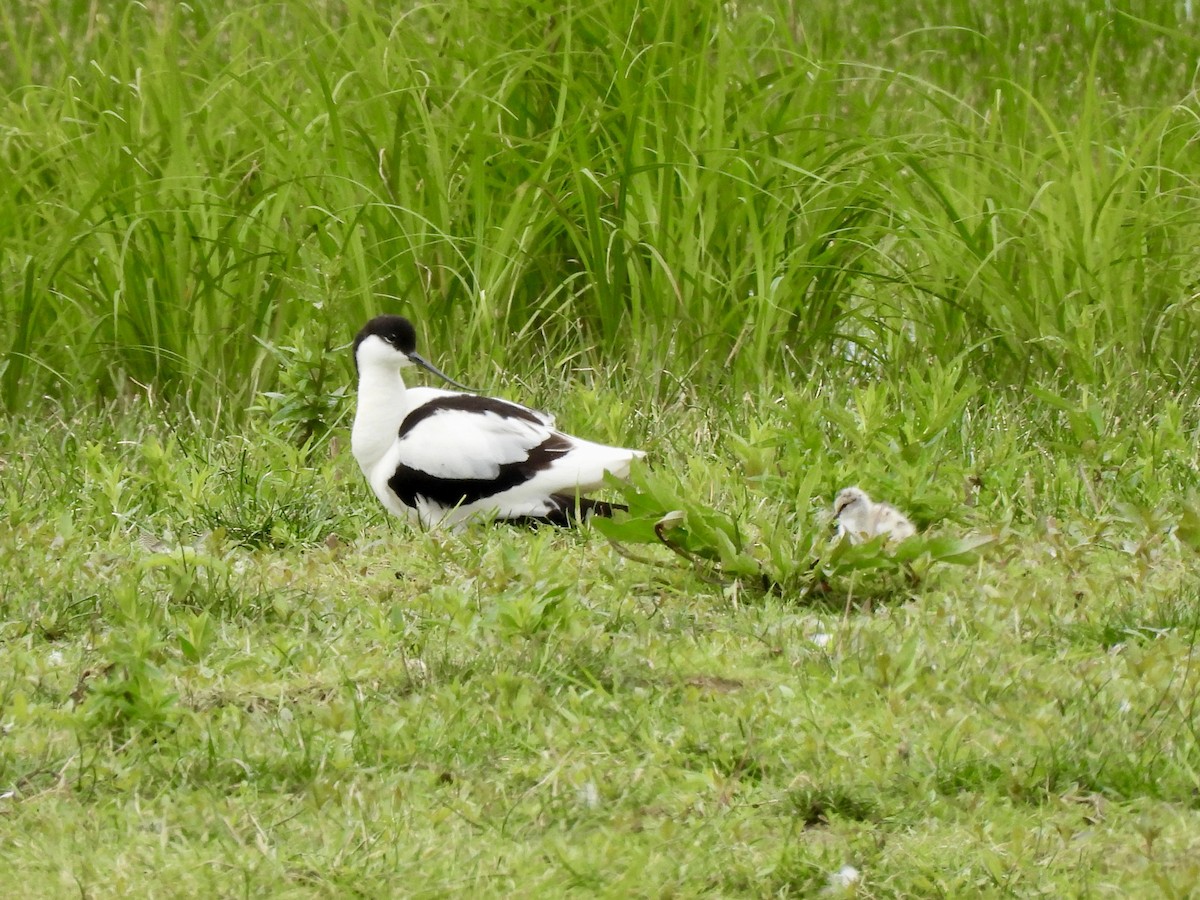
467	403
409	484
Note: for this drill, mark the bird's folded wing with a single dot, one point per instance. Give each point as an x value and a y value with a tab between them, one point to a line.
453	442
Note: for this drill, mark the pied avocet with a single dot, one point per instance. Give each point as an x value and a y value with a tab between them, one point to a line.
862	518
444	457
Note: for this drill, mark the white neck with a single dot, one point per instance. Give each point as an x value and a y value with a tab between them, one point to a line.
381	409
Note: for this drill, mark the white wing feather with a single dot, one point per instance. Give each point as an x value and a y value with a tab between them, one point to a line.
454	443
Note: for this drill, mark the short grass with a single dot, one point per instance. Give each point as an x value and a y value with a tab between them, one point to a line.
227	672
941	250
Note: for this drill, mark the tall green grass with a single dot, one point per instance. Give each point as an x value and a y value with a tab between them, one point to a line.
737	192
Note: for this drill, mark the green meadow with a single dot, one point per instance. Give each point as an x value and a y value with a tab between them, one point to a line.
943	250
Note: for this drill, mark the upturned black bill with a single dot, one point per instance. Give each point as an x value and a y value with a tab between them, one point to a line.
426	364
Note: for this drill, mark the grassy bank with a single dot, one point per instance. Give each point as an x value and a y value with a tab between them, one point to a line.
226	672
942	252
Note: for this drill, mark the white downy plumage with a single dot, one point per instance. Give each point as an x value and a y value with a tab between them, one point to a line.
862	519
445	457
